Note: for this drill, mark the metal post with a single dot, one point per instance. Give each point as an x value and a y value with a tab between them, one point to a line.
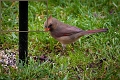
23	26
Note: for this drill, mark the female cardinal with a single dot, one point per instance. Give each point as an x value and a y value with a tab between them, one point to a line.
64	33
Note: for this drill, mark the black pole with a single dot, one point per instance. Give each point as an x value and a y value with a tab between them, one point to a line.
23	26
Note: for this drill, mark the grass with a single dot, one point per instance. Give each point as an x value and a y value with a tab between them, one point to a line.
96	56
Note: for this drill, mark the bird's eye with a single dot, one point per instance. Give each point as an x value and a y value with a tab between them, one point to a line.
50	26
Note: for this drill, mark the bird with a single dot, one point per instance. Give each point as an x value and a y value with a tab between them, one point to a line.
66	34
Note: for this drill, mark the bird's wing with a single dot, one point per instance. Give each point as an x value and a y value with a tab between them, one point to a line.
67	31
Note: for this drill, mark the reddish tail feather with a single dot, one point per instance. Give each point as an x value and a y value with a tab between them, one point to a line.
94	31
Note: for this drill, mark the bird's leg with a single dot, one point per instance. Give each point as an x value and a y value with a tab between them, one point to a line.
72	44
64	46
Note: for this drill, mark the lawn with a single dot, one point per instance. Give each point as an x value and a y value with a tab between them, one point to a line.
93	57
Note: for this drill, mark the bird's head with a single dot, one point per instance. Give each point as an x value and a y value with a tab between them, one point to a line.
49	24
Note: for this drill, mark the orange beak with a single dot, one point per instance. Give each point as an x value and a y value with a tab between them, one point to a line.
47	29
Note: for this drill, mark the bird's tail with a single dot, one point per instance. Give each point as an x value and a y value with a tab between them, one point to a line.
94	31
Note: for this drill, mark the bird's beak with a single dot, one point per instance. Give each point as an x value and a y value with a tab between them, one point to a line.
47	29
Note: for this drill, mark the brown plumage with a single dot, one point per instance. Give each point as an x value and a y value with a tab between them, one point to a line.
64	33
